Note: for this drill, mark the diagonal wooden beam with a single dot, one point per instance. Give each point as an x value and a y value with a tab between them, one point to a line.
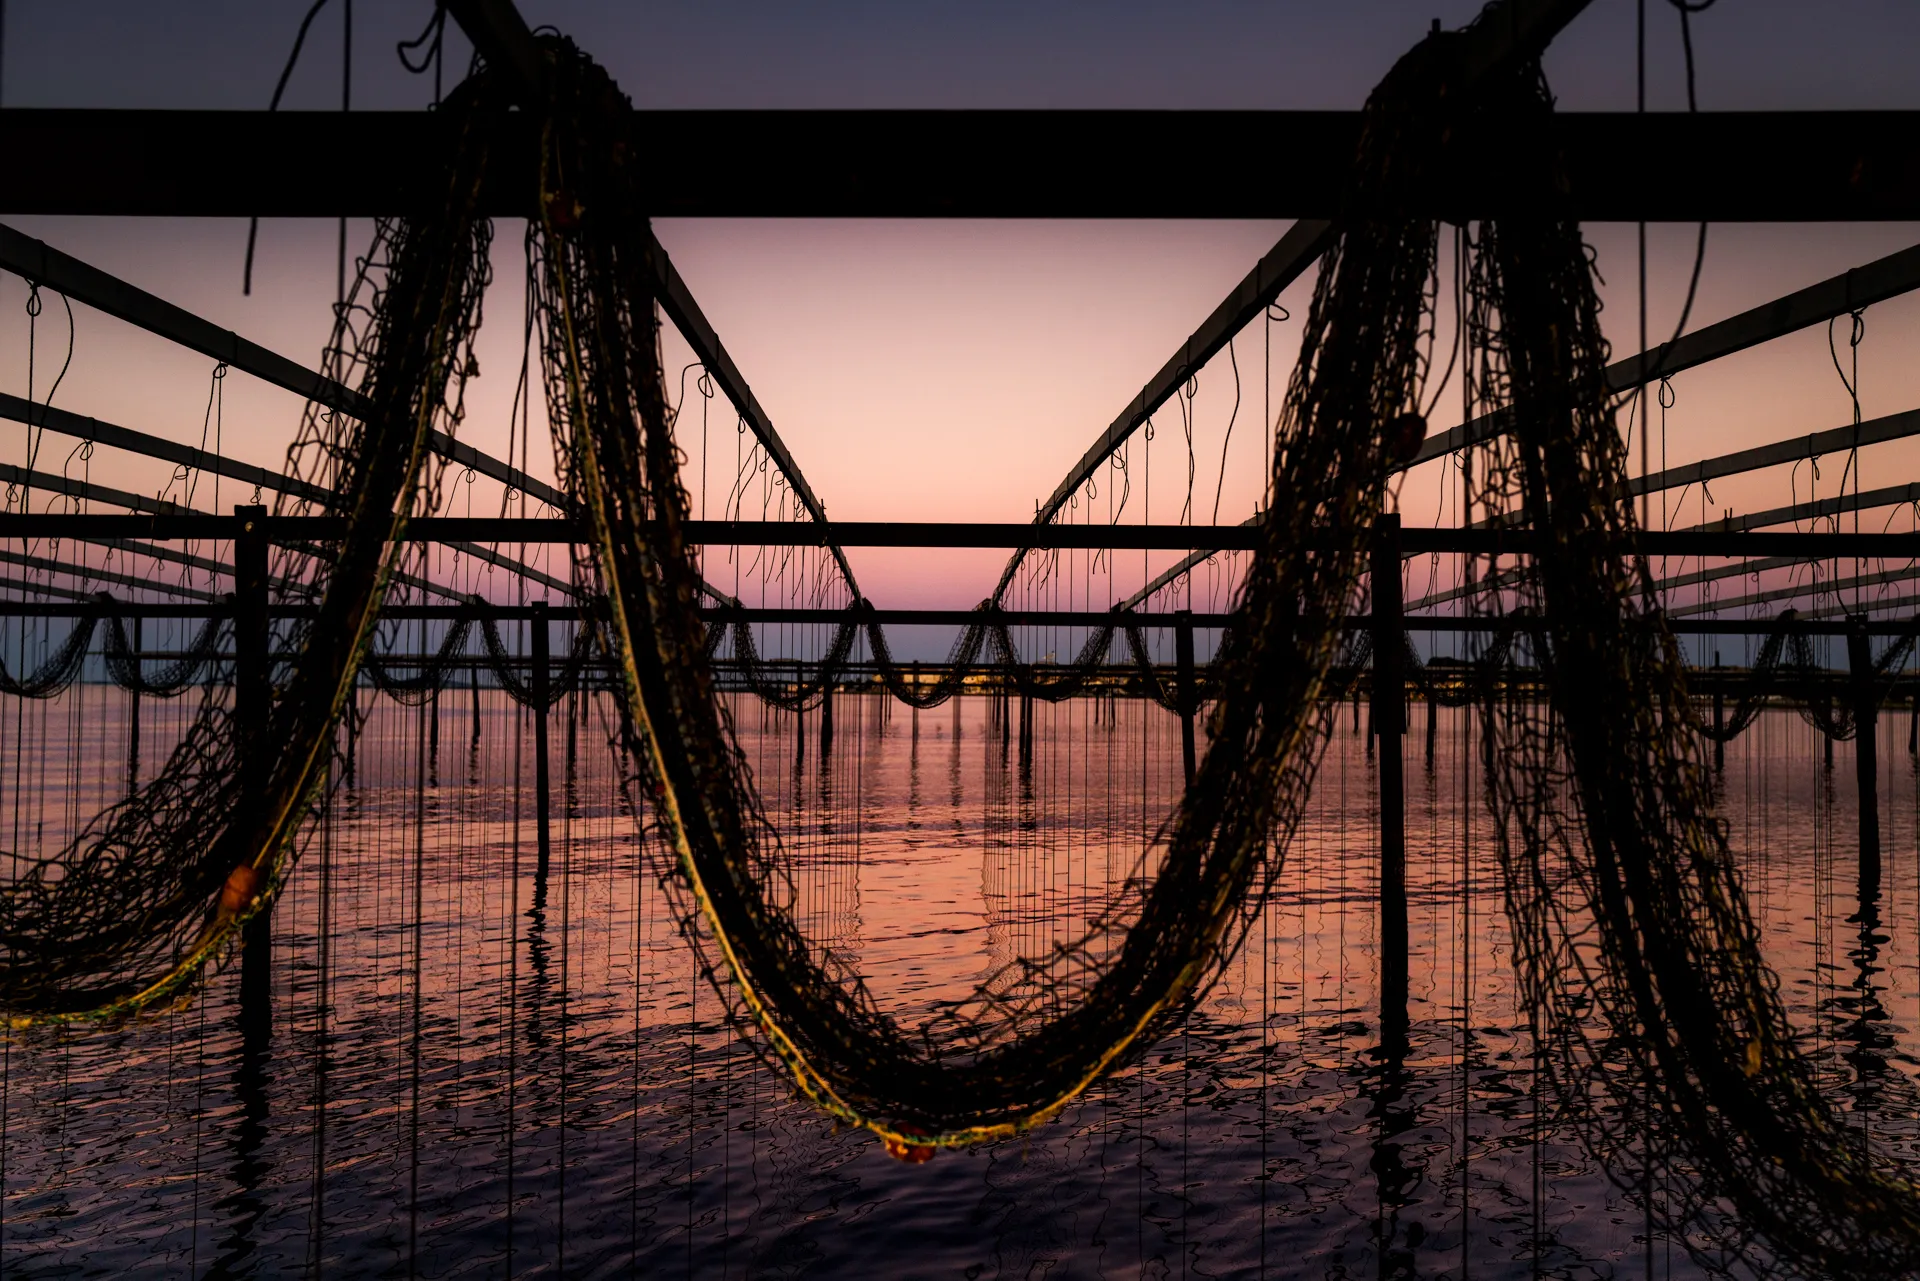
1858	287
44	265
503	39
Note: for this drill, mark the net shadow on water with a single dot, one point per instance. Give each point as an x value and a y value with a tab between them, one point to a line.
480	1063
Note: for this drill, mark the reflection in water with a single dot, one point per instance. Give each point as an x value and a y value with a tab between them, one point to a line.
479	1060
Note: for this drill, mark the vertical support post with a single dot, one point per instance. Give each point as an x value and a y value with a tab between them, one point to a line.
1433	723
826	721
1719	714
252	694
253	709
133	717
1184	685
1026	729
1389	717
433	712
538	651
353	728
1866	747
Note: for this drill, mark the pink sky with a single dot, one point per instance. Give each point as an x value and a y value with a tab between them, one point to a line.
954	370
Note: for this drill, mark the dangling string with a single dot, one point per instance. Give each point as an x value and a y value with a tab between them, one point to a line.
432	39
1233	360
279	89
1856	333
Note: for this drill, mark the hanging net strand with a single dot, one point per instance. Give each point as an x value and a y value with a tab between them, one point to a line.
157	886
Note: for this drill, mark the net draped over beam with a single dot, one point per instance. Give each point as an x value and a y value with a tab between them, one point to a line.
1629	900
1038	1031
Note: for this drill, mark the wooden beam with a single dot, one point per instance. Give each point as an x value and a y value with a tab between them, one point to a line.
1738	166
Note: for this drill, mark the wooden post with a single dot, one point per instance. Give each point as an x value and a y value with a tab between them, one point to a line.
252	695
1184	685
1866	746
1433	721
133	716
542	677
433	730
1719	714
1913	723
353	728
1389	717
826	722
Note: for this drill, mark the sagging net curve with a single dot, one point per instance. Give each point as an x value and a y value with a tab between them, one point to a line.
985	645
64	663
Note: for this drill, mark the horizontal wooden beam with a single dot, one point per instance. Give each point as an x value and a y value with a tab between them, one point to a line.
1718	540
1723	166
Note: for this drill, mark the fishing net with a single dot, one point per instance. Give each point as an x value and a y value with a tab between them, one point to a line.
984	647
1037	1031
201	659
156	887
64	665
1659	1024
61	668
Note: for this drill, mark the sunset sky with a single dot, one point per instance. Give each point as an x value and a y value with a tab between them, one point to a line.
949	370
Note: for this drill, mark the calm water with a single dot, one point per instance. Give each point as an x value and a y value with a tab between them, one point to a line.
480	1065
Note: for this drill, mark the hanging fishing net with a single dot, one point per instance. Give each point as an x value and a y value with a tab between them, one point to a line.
1660	1024
1035	1033
157	886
